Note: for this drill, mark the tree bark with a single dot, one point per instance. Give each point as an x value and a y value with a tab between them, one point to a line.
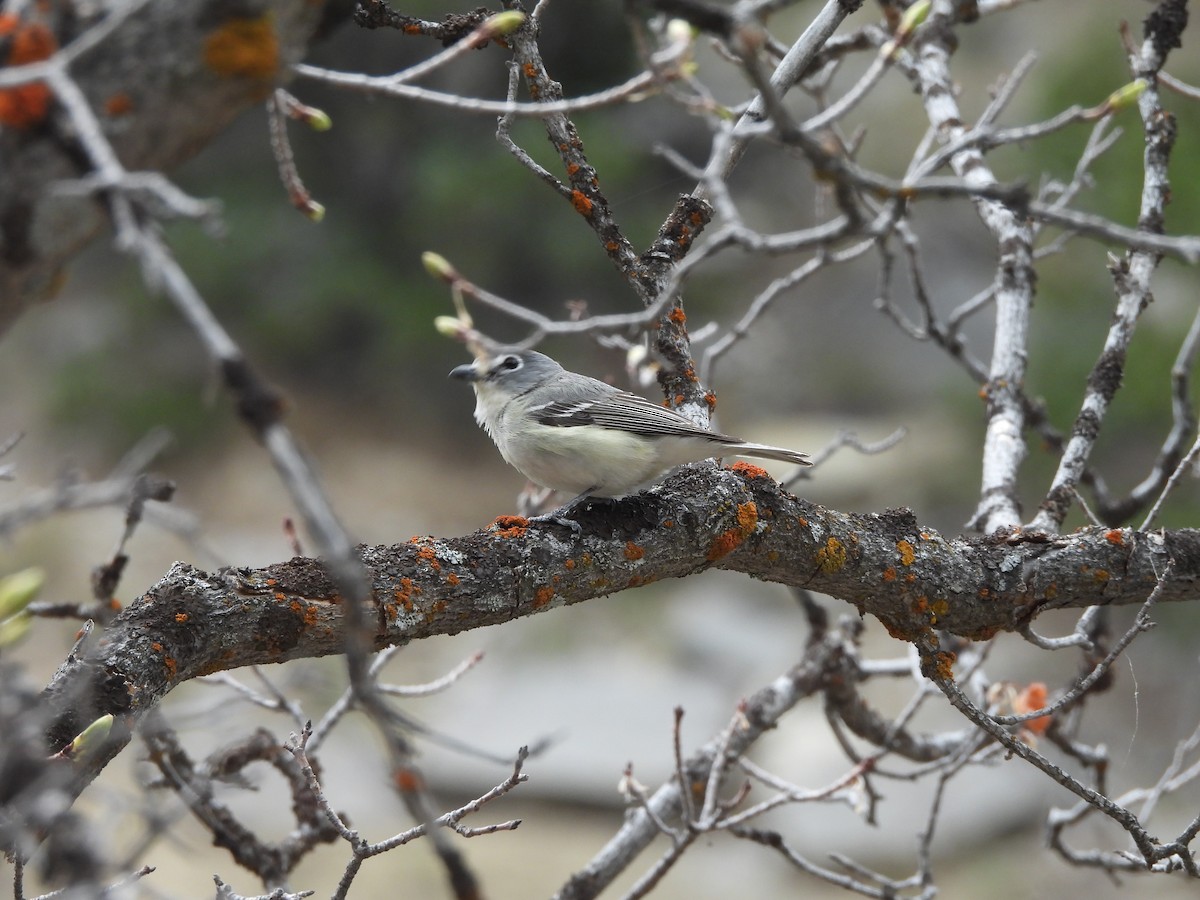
911	578
162	84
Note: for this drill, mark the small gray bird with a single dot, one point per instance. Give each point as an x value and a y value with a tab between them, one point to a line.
575	434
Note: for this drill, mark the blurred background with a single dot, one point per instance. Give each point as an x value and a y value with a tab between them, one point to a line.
340	314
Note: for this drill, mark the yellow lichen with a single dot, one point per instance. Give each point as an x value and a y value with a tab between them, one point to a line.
832	557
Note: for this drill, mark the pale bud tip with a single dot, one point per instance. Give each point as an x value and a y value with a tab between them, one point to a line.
18	589
91	737
449	326
914	16
679	31
318	119
438	266
504	23
314	210
1126	95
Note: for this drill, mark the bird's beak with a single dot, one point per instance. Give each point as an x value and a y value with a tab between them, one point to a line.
465	372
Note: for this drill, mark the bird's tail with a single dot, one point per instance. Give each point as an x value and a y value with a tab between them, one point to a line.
763	451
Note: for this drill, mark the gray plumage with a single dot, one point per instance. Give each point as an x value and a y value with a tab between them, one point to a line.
573	433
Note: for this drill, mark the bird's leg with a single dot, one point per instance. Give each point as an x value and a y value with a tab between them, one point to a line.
559	516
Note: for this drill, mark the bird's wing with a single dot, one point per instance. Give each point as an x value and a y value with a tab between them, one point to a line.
624	412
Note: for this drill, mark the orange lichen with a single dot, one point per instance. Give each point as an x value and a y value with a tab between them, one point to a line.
711	399
510	526
530	71
171	665
1101	576
582	204
832	557
306	611
729	540
723	544
749	470
747	517
28	41
156	647
181	617
889	574
407	779
943	664
1114	536
451	579
633	551
429	555
668	523
243	47
119	104
404	593
907	553
677	315
280	596
542	596
25	105
572	169
1030	700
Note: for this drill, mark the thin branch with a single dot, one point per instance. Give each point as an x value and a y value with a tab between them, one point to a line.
1186	466
934	664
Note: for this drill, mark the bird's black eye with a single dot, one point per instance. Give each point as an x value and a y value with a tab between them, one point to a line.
509	363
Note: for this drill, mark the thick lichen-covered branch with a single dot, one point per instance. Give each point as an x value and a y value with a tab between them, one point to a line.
887	565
